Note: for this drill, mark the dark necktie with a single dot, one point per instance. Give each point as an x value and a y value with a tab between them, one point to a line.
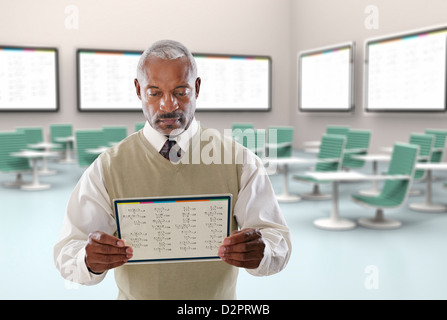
166	150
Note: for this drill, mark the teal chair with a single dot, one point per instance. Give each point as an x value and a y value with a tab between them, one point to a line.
439	144
329	159
33	135
357	143
139	126
114	134
279	141
60	131
333	129
13	142
395	191
425	142
88	139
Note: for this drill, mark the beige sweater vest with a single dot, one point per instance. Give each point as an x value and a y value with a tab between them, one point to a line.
135	169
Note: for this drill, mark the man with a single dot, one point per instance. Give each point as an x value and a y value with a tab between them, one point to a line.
168	86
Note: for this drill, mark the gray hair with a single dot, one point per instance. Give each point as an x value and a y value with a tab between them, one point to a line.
166	50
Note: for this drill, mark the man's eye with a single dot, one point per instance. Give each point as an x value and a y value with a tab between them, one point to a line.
182	92
153	93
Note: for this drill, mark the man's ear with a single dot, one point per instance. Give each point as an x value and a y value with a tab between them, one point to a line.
137	88
198	82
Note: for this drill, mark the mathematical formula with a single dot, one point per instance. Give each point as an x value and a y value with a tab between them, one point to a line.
171	230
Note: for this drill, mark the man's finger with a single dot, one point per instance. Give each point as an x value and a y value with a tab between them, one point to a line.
253	245
243	235
104	238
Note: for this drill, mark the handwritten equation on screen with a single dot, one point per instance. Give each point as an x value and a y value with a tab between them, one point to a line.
176	229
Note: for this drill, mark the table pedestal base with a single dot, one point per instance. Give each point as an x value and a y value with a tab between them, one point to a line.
35	187
334	224
383	224
428	207
287	198
379	222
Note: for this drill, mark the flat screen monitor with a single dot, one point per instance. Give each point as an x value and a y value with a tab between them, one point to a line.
325	80
234	82
406	72
106	80
28	79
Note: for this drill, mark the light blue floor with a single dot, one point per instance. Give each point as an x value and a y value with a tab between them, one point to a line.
407	263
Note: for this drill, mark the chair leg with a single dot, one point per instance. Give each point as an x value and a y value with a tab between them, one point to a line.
316	194
379	222
17	183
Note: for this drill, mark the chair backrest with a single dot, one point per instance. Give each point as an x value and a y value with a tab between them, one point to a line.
280	138
88	139
59	131
331	147
439	145
33	135
12	142
403	161
244	133
357	143
425	143
333	129
114	134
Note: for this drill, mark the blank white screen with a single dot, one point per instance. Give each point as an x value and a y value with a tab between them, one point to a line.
325	82
106	80
233	82
28	79
407	73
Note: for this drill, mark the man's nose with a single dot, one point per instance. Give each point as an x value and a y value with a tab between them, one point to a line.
169	103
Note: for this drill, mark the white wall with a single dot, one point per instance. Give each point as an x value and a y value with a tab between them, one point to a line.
279	28
318	23
213	26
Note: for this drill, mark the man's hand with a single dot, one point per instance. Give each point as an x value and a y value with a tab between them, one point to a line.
104	252
244	248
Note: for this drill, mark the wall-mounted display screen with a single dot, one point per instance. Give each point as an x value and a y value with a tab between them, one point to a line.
106	80
28	79
234	82
325	80
406	72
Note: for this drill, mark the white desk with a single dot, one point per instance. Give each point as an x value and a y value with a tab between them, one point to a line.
374	158
315	144
285	162
46	146
67	141
334	222
98	150
428	205
33	156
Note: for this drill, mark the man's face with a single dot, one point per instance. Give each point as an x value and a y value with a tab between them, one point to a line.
168	94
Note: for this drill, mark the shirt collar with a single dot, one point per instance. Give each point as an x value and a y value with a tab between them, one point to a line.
157	140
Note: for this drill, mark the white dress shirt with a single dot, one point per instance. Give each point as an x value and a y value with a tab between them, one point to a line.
89	209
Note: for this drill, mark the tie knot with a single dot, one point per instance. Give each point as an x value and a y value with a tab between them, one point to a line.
166	150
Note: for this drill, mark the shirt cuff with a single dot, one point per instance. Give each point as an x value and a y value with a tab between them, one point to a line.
263	268
87	277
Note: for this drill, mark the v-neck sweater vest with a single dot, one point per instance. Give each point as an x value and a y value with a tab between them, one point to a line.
134	169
